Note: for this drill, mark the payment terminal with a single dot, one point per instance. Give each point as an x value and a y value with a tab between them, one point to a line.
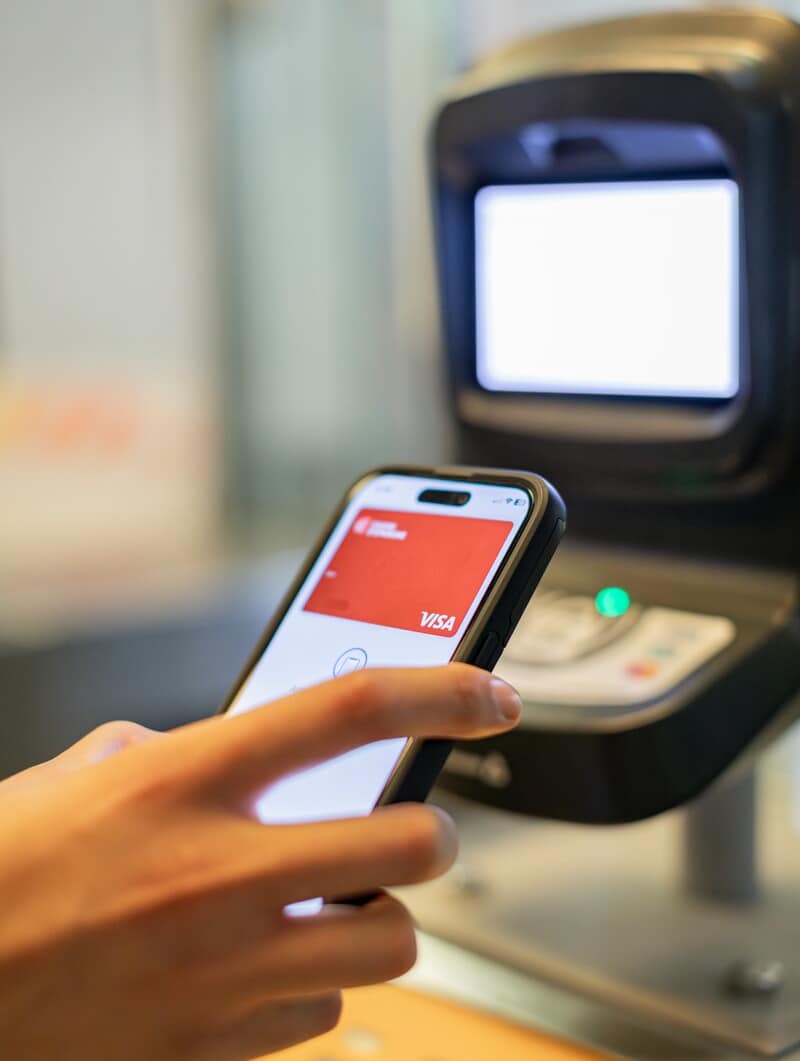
618	236
617	222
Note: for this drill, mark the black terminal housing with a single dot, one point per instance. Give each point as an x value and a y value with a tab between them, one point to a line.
713	93
692	504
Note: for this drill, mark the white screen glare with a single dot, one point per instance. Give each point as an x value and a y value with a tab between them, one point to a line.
609	288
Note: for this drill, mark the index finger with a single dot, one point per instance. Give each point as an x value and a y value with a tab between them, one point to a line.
456	701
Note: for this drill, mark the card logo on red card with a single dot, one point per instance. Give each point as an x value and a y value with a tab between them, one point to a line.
379	528
409	570
434	621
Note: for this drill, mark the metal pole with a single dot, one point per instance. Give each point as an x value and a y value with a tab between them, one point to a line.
719	841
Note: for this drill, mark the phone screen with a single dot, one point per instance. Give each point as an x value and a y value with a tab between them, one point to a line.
396	584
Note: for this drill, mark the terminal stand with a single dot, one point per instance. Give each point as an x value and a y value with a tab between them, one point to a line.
720	843
662	922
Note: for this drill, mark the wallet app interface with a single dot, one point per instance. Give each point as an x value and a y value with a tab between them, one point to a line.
396	584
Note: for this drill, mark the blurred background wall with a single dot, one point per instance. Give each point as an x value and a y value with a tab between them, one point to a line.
109	335
217	300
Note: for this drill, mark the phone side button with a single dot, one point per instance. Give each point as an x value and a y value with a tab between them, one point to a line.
489	652
535	577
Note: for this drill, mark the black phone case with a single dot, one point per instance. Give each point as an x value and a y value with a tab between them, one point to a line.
495	619
491	626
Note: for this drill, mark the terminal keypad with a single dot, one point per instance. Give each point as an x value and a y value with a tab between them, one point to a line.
565	652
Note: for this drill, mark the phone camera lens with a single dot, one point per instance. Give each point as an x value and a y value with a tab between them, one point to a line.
444	497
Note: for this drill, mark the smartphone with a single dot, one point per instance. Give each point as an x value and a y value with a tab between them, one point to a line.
417	567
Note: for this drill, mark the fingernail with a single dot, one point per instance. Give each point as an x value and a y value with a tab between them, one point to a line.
506	699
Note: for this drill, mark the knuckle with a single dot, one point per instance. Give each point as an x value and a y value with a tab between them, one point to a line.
325	1013
203	756
398	946
467	686
209	765
151	786
428	844
363	701
119	733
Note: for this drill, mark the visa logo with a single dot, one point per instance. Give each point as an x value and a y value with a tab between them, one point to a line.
437	621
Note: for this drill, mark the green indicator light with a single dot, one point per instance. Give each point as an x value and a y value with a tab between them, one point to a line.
612	602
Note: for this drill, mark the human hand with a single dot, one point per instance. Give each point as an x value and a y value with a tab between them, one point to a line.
101	743
144	907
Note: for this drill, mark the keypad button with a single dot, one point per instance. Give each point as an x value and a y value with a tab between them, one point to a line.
632	661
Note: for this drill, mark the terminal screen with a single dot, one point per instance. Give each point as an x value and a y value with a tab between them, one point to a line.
611	288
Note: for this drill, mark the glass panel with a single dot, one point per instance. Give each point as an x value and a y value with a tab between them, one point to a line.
331	300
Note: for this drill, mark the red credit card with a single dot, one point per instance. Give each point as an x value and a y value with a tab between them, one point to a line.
409	570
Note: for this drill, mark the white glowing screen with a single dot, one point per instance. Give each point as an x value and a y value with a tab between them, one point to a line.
609	288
